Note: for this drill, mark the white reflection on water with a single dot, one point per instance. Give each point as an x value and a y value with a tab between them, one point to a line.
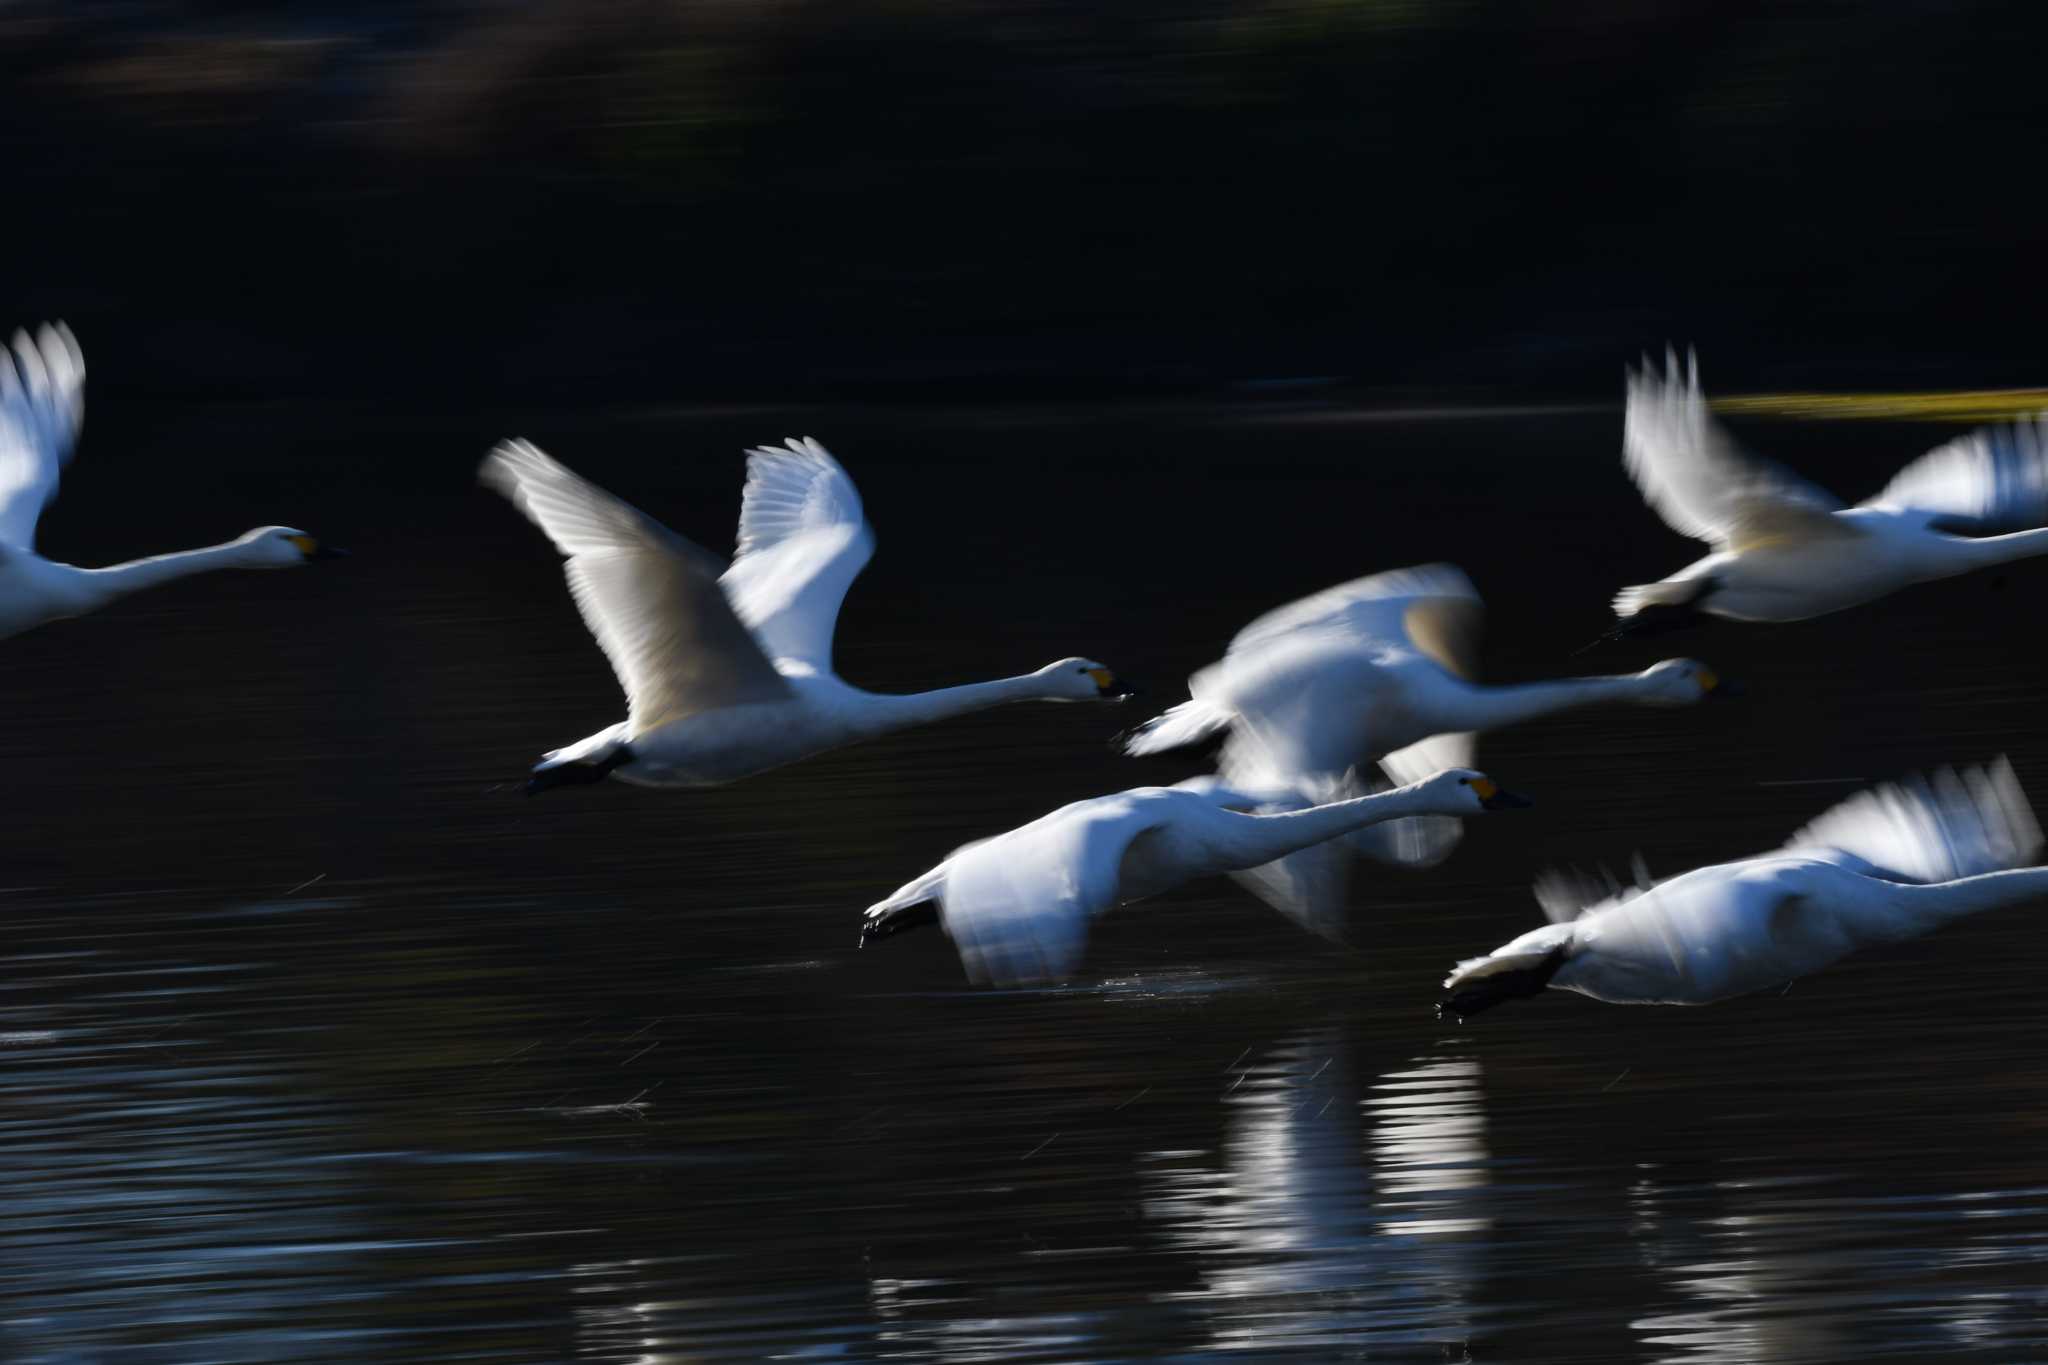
1340	1212
1772	1270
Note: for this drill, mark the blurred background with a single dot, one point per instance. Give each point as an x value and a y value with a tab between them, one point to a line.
1131	321
576	198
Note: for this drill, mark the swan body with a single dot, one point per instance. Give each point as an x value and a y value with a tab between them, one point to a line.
42	405
728	670
1785	550
1381	671
1018	906
1886	865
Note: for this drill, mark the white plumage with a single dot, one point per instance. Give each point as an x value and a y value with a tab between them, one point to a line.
1785	550
728	670
42	406
1018	906
1378	671
1884	866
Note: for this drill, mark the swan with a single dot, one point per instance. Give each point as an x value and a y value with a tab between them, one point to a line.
1785	550
728	671
1377	670
1886	865
42	404
1017	906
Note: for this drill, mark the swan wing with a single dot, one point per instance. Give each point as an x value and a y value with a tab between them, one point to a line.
1303	681
1419	840
42	404
1018	906
1929	829
1694	475
803	540
1994	479
650	597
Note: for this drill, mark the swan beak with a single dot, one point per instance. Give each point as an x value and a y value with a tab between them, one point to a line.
313	549
1713	684
1109	687
1492	797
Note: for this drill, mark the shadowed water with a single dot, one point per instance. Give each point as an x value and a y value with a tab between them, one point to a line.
318	1042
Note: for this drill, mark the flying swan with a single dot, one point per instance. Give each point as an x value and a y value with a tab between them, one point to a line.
1381	671
1785	550
1884	866
1018	906
42	403
728	671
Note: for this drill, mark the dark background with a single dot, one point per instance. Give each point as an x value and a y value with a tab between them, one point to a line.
593	199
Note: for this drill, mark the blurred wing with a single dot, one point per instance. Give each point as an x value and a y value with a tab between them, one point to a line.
1994	479
803	540
1957	824
650	597
1302	679
1566	895
1017	906
42	404
1419	840
1700	482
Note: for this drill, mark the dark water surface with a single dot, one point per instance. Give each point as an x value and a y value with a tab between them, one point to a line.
320	1043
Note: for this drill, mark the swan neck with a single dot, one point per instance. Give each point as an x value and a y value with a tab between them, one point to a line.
1491	707
118	580
1944	901
1982	551
1276	835
885	712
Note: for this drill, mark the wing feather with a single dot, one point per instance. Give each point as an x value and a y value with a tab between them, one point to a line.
650	597
1993	479
1954	824
1694	475
42	405
803	540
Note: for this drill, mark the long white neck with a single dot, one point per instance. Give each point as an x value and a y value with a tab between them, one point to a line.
1977	552
118	580
1488	708
880	713
1921	908
1259	839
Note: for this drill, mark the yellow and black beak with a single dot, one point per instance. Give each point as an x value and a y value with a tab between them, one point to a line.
313	549
1492	797
1714	685
1107	685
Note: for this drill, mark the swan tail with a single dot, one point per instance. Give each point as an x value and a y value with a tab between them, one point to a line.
1479	983
580	764
1188	723
1637	598
912	906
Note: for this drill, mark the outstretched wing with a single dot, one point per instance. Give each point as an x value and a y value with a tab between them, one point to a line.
803	540
1017	906
650	597
1419	840
1994	479
1956	824
1700	482
1301	680
42	403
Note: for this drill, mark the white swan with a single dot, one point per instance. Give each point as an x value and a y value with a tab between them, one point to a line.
1378	670
1884	866
1017	906
728	671
42	403
1785	550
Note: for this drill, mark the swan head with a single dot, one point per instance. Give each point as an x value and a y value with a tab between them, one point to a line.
283	547
1466	791
1079	679
1680	682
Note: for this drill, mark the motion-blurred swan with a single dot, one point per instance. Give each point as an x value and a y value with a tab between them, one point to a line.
1785	550
1017	906
728	671
1378	670
42	403
1884	866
